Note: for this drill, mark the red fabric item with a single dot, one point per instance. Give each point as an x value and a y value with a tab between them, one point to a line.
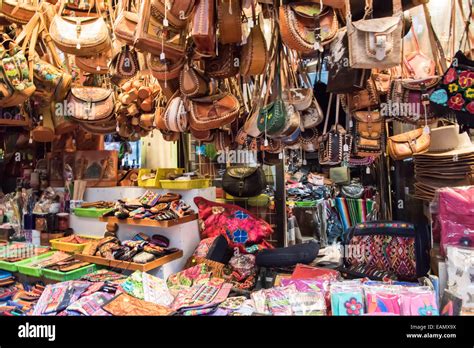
238	225
308	272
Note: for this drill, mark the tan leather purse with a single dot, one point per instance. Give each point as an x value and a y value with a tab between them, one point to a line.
19	11
407	144
178	13
91	104
165	71
194	83
152	37
375	43
125	25
369	128
80	36
229	19
98	64
225	64
299	23
213	111
254	54
203	31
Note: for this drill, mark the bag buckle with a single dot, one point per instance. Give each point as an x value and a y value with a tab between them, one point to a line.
380	45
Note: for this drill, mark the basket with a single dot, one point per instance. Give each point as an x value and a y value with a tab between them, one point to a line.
71	275
23	267
91	212
161	174
75	248
185	184
13	266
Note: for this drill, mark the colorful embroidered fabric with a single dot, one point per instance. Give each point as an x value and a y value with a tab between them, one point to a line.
238	225
456	90
394	254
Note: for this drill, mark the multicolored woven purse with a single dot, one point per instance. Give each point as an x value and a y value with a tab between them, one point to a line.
387	249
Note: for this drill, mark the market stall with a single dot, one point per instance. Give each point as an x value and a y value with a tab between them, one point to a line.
236	157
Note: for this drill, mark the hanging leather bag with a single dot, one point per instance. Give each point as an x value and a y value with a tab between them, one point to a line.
369	128
377	42
152	37
335	142
229	20
213	111
244	181
80	36
203	30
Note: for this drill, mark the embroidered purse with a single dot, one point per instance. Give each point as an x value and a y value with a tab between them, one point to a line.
393	247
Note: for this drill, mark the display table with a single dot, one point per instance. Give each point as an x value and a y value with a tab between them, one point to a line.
184	235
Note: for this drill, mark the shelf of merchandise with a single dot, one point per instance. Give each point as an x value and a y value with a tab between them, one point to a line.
131	266
150	222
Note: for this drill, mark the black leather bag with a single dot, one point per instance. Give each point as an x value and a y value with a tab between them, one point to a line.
243	181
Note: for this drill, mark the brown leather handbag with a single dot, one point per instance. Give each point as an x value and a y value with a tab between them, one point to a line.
152	37
91	104
363	99
178	13
80	36
254	54
229	19
164	71
225	64
18	11
194	83
124	65
98	64
125	24
407	144
203	31
213	111
301	22
369	126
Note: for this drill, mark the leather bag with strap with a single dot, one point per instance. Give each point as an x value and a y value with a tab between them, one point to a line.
244	181
369	126
375	43
407	144
152	37
336	141
254	55
301	23
203	30
91	104
213	111
229	20
81	36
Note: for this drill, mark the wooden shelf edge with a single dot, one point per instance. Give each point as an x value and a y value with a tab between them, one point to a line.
149	222
132	266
